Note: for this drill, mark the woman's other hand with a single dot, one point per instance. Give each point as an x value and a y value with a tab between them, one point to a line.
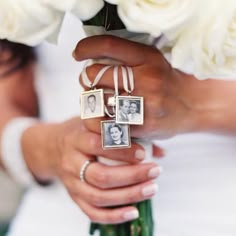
166	112
53	151
60	150
175	102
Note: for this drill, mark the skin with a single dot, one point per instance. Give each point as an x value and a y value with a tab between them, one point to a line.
125	107
92	103
133	108
116	134
177	102
13	101
69	144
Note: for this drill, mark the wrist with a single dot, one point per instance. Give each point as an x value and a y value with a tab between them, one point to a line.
11	150
210	103
39	150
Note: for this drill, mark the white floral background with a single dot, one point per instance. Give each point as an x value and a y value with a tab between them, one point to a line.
203	32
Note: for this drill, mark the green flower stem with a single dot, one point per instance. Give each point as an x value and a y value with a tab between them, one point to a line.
123	229
143	218
135	228
150	216
108	230
107	17
143	226
93	228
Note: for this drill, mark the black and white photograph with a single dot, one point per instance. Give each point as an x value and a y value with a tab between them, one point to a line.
92	104
129	110
115	135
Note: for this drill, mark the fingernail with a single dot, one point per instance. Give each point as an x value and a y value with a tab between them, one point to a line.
140	154
131	215
149	190
155	171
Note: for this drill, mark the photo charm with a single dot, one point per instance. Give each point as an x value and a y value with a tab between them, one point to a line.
129	110
92	104
114	135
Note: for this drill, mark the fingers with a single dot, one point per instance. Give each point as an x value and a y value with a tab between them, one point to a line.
125	51
107	177
91	144
114	197
146	79
107	79
99	192
109	47
93	201
107	215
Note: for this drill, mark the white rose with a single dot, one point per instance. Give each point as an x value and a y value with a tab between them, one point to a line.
211	43
28	21
84	9
31	21
113	1
156	16
60	5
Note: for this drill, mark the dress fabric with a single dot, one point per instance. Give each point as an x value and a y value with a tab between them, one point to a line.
197	189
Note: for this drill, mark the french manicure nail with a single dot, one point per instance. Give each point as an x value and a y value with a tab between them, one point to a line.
131	215
155	171
149	190
140	154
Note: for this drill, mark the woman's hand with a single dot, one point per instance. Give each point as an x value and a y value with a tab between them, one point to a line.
59	150
175	102
166	111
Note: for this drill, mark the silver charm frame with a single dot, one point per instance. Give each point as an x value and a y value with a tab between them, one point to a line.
110	143
130	118
86	107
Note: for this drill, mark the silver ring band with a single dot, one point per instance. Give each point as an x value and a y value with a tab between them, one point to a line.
83	169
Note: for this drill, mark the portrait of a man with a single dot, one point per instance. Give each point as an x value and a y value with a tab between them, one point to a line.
92	104
123	110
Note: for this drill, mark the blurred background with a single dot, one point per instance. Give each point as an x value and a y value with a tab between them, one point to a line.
10	195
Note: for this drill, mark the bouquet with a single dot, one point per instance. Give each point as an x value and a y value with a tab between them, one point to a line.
199	33
108	21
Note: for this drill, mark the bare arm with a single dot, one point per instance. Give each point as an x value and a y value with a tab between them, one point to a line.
58	150
17	95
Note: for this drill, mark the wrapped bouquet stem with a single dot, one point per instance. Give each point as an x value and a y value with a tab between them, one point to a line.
143	225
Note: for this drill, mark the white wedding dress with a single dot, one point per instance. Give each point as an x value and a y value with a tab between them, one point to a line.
197	194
